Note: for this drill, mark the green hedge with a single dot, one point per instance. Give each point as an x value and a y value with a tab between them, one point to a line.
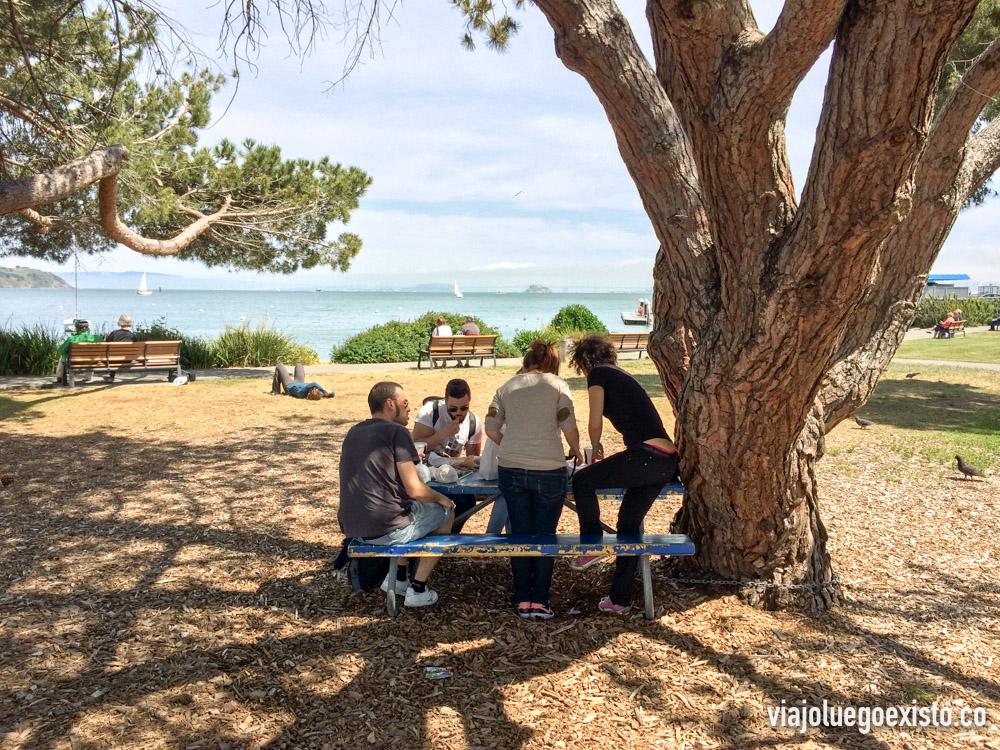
977	312
401	341
575	318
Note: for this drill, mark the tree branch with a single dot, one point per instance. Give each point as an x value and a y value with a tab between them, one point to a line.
982	156
783	58
49	187
593	38
156	136
964	105
28	115
116	229
40	224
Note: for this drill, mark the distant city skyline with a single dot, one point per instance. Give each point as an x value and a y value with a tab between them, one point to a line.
497	171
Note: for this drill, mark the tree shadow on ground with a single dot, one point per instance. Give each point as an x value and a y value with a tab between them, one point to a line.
180	591
934	405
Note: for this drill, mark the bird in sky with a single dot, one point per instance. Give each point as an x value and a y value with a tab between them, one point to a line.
864	424
969	471
518	193
912	374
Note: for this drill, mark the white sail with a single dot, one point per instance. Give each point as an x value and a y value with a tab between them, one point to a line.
458	292
142	285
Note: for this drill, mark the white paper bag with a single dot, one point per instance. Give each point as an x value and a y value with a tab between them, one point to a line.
489	463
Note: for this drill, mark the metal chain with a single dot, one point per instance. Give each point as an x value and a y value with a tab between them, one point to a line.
758	584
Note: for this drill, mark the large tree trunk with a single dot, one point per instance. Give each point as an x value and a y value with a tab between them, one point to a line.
760	523
775	320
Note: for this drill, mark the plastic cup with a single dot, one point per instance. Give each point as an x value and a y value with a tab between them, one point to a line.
588	455
421	448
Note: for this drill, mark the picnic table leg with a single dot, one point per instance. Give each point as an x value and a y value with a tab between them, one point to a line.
647	586
393	605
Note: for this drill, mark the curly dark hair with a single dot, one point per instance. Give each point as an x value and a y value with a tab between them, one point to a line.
592	350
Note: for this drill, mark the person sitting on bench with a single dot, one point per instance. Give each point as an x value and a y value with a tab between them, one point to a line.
298	388
382	500
123	333
648	462
81	333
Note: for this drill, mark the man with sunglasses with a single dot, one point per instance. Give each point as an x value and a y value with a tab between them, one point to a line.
448	426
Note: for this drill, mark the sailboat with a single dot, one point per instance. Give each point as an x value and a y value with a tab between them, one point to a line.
142	285
458	292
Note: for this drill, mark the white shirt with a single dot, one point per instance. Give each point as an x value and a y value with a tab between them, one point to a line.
454	446
444	330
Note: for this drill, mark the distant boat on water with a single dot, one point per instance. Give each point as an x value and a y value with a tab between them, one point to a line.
643	317
142	285
458	292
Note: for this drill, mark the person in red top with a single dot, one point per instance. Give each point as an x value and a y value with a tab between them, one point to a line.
941	329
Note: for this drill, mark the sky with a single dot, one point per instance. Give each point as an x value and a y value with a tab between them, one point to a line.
492	170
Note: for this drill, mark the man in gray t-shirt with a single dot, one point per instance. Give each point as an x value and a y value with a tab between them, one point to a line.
382	500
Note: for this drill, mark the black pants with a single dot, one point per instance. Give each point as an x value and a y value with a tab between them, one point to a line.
282	379
642	470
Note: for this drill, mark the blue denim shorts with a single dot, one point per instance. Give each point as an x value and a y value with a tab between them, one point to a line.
426	518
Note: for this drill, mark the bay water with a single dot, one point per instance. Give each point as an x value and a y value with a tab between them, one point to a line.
318	319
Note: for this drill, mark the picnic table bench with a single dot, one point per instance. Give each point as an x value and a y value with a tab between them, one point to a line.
555	545
112	356
443	348
630	342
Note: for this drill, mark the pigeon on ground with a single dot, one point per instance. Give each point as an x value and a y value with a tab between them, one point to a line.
912	374
863	423
969	471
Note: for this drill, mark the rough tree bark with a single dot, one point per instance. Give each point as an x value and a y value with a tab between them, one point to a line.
774	320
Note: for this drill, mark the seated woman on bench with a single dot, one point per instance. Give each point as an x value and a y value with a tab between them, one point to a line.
648	462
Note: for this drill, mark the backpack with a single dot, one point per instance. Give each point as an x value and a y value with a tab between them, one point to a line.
365	573
437	410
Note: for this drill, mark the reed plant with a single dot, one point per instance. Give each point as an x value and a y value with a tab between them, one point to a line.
262	346
29	350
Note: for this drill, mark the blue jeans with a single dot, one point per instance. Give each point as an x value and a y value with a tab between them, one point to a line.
534	502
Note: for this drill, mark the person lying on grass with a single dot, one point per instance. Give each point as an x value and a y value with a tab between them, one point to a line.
298	388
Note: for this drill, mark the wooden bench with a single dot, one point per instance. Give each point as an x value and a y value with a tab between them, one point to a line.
111	356
555	545
957	327
443	348
630	342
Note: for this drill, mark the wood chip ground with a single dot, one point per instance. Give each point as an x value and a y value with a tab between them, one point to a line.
166	582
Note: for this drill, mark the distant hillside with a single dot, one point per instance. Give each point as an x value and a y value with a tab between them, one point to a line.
29	278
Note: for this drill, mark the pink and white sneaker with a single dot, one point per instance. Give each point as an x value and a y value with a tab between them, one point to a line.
606	605
584	562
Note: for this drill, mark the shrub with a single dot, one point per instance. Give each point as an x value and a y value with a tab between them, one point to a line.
977	312
576	318
401	341
395	341
262	346
30	350
196	353
523	339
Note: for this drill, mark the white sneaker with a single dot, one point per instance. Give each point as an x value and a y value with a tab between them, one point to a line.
425	598
401	586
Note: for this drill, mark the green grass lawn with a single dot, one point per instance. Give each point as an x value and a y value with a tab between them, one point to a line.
973	347
941	412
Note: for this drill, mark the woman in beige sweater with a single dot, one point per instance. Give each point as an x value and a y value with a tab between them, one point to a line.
538	410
